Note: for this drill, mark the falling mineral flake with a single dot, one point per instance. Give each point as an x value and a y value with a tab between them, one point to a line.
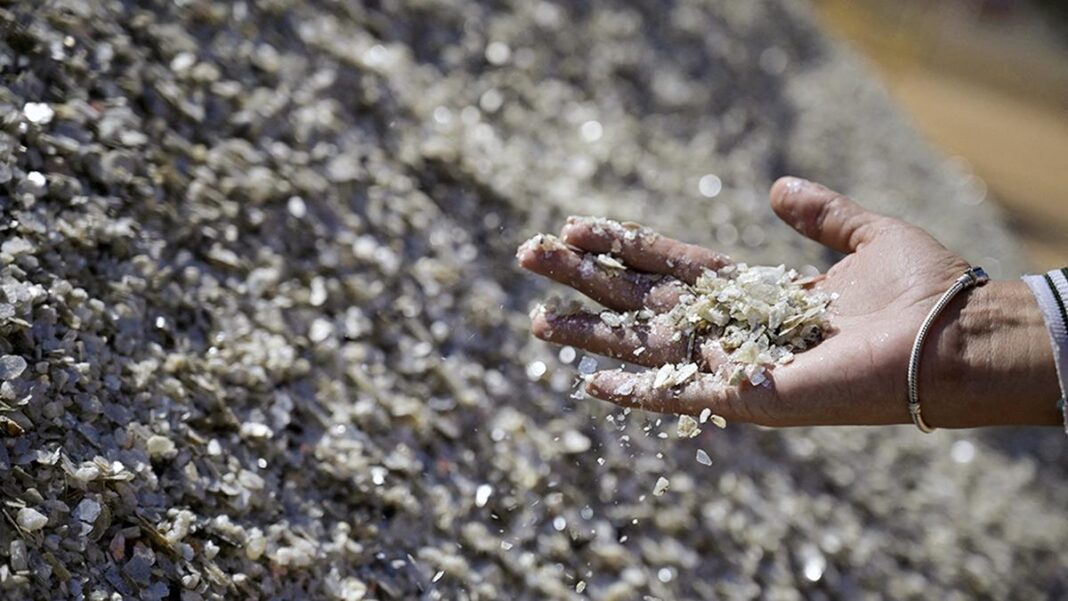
567	354
587	365
703	458
687	427
482	494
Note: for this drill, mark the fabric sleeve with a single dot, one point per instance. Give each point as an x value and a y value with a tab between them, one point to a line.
1051	291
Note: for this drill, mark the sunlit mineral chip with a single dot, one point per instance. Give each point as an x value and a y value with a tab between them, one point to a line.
687	427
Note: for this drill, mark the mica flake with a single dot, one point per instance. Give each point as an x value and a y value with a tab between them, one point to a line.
760	316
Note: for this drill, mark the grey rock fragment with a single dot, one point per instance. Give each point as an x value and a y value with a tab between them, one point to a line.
11	367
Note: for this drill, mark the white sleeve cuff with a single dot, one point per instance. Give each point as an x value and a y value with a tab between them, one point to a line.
1051	291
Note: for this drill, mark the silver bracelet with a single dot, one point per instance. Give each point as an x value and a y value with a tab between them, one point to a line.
973	277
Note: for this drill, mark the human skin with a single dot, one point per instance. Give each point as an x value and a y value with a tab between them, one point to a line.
987	360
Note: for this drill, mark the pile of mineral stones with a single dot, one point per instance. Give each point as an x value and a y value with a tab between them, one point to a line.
261	333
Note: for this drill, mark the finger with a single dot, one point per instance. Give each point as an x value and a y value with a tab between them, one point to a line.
823	214
743	403
642	248
651	344
617	289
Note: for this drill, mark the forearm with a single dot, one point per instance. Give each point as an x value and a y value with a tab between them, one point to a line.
992	362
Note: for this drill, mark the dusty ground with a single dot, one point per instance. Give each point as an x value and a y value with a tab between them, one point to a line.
263	336
988	87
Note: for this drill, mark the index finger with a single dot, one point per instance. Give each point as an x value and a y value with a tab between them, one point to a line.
642	248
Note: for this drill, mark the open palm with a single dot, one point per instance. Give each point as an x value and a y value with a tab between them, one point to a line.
890	276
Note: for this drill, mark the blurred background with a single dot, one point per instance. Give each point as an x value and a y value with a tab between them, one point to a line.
987	81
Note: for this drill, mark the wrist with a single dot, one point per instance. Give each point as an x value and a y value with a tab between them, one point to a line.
992	362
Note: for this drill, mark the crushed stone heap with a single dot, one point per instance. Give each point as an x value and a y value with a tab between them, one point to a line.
261	333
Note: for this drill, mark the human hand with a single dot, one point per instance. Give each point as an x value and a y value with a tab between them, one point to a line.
986	344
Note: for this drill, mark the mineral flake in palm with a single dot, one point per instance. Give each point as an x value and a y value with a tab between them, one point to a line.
759	315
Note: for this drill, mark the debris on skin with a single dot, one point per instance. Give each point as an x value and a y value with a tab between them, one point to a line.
557	307
541	243
671	374
610	262
262	335
611	319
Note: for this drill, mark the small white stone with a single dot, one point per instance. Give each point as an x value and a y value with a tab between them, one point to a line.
352	589
31	520
662	484
256	430
256	545
210	549
38	112
87	511
296	207
183	61
160	446
320	330
378	475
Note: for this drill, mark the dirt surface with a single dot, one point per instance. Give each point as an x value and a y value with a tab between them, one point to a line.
263	335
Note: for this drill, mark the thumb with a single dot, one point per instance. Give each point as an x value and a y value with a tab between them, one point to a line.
822	214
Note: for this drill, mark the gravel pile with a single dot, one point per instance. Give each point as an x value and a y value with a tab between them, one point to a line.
261	334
